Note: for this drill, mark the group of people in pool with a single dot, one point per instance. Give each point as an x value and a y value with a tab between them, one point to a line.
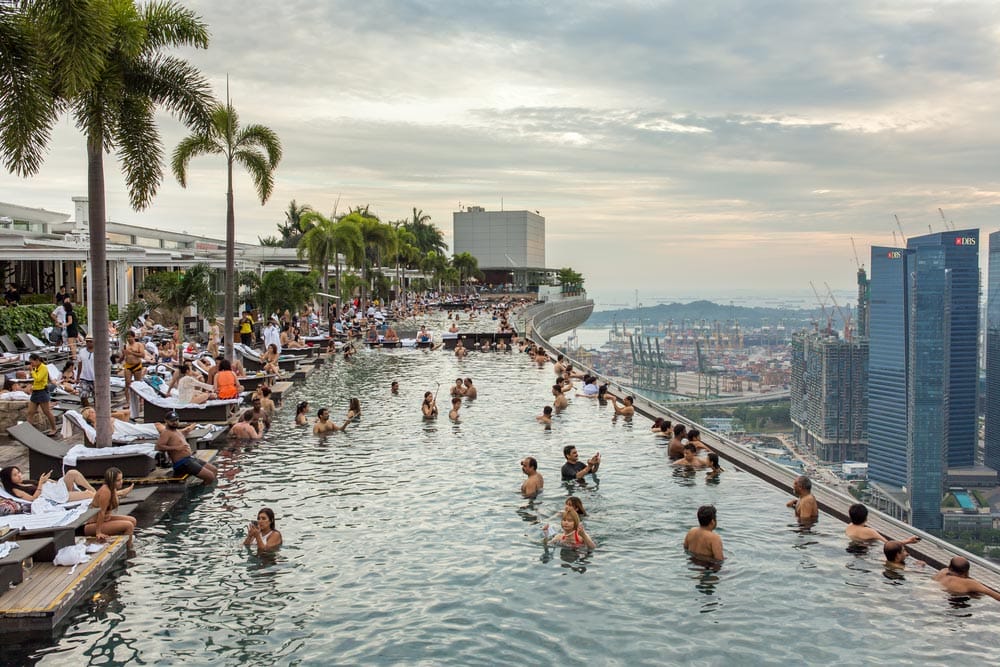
323	424
685	449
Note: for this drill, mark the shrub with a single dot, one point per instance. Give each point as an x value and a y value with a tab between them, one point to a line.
32	319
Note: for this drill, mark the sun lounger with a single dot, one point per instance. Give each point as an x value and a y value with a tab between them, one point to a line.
252	361
60	527
44	453
156	407
12	565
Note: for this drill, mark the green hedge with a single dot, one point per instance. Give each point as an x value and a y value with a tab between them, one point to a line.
31	319
33	299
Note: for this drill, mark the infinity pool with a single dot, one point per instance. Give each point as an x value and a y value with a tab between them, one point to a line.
407	542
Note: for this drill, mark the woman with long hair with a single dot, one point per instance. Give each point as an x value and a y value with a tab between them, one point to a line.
15	484
106	501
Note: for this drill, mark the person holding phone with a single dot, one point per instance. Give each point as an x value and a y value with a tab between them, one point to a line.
262	532
574	468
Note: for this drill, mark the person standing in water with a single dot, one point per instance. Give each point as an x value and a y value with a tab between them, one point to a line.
702	541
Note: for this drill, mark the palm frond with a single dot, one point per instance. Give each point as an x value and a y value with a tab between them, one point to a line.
264	138
74	37
177	86
256	164
192	147
139	149
169	24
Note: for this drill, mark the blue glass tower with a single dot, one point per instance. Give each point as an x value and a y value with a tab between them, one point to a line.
992	456
922	378
888	359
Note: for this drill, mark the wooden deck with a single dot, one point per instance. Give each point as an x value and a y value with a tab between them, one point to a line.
166	475
36	606
279	390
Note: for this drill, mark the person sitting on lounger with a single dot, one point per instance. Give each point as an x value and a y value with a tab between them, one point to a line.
269	360
226	385
172	442
106	501
390	336
190	390
14	484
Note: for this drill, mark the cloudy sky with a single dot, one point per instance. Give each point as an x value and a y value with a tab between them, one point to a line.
701	147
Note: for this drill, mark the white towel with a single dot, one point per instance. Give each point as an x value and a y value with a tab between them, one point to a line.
6	548
82	452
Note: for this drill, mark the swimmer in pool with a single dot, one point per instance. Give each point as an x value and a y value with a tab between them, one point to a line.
429	406
896	555
532	486
956	580
546	416
805	505
394	388
456	405
625	410
323	423
573	534
702	541
459	388
858	531
301	416
713	462
690	458
559	400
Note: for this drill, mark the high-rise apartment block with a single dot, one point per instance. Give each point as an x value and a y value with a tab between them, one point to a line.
829	391
922	375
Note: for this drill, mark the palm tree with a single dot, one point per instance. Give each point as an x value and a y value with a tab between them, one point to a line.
328	239
404	252
428	236
292	229
285	290
103	61
177	291
254	147
466	265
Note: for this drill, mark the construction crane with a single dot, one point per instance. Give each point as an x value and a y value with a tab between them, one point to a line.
945	221
822	305
899	225
846	319
856	259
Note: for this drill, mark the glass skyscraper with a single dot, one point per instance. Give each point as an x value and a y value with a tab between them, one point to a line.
992	457
923	366
888	358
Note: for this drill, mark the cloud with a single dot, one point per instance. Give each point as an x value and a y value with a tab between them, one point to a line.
732	143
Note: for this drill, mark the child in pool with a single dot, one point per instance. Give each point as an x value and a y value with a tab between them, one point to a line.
573	534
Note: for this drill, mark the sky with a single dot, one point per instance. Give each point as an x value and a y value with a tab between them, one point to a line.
671	146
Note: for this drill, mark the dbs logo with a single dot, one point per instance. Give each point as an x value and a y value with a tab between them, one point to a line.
965	240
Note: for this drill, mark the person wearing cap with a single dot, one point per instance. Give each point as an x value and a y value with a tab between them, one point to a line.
85	370
172	442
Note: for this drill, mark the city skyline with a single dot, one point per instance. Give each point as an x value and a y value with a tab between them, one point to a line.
661	142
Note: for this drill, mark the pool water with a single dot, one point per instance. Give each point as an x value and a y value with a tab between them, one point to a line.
407	542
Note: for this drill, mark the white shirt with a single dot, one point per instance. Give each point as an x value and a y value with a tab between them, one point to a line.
86	359
186	387
271	335
60	313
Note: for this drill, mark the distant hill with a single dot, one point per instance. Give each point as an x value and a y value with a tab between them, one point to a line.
708	311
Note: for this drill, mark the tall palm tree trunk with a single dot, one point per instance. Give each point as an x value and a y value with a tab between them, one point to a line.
97	282
230	262
326	299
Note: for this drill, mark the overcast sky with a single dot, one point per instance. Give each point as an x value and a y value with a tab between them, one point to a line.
697	146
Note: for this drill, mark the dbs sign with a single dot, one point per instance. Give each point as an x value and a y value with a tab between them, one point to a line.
965	240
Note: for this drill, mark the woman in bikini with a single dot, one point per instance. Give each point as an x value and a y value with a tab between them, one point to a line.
301	413
106	501
270	359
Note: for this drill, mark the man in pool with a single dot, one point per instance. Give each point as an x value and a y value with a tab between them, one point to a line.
956	580
675	449
247	428
394	388
559	400
626	409
805	505
702	541
546	416
323	423
896	555
574	468
470	390
532	486
690	458
858	531
172	442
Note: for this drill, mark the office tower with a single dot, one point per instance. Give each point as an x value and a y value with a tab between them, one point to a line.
888	354
992	455
923	367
